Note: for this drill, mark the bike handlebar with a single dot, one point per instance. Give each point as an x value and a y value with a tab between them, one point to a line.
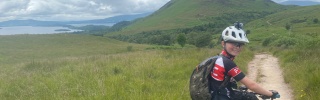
267	97
264	97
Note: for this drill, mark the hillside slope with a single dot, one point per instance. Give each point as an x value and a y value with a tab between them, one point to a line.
300	16
302	21
189	13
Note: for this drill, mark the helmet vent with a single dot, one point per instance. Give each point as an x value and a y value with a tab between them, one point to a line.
240	34
234	34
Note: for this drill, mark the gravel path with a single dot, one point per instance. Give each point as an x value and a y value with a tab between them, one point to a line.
265	70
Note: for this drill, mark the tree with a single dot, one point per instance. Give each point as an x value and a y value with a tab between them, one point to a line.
161	39
181	39
315	20
203	40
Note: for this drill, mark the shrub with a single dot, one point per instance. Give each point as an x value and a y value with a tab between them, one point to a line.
315	20
298	20
268	40
285	42
181	39
203	40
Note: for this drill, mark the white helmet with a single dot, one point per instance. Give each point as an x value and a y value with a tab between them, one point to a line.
235	34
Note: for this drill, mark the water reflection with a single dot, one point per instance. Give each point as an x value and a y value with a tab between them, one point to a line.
34	30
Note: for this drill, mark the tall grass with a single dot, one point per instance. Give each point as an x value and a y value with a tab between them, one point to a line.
154	74
136	75
31	61
17	48
301	67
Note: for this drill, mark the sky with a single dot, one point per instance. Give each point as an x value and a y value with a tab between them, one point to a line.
72	10
66	10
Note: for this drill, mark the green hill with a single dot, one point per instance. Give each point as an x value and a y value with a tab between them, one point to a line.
190	13
299	16
301	22
195	19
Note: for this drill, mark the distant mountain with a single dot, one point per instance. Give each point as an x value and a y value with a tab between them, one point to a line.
114	19
31	22
300	3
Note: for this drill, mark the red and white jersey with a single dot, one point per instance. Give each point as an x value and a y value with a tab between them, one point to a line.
224	67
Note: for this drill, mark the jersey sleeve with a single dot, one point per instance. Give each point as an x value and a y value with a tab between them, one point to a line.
233	70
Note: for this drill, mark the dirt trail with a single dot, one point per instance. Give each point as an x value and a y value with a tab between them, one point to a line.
265	70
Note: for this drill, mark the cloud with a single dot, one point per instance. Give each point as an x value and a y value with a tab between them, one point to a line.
74	9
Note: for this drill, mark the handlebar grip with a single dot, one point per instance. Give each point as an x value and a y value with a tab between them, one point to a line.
277	96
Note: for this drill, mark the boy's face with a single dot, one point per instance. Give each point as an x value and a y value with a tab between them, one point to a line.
234	48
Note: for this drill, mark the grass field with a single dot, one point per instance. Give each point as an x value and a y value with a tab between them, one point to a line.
66	66
19	48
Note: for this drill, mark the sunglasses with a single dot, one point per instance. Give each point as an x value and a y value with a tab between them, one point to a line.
237	44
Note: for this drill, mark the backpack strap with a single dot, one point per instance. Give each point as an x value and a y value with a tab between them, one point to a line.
225	82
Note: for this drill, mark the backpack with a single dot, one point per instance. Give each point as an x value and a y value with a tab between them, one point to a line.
199	83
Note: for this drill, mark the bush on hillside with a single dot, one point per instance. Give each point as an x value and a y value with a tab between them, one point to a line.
269	40
315	20
298	20
200	39
161	39
203	40
285	42
181	39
